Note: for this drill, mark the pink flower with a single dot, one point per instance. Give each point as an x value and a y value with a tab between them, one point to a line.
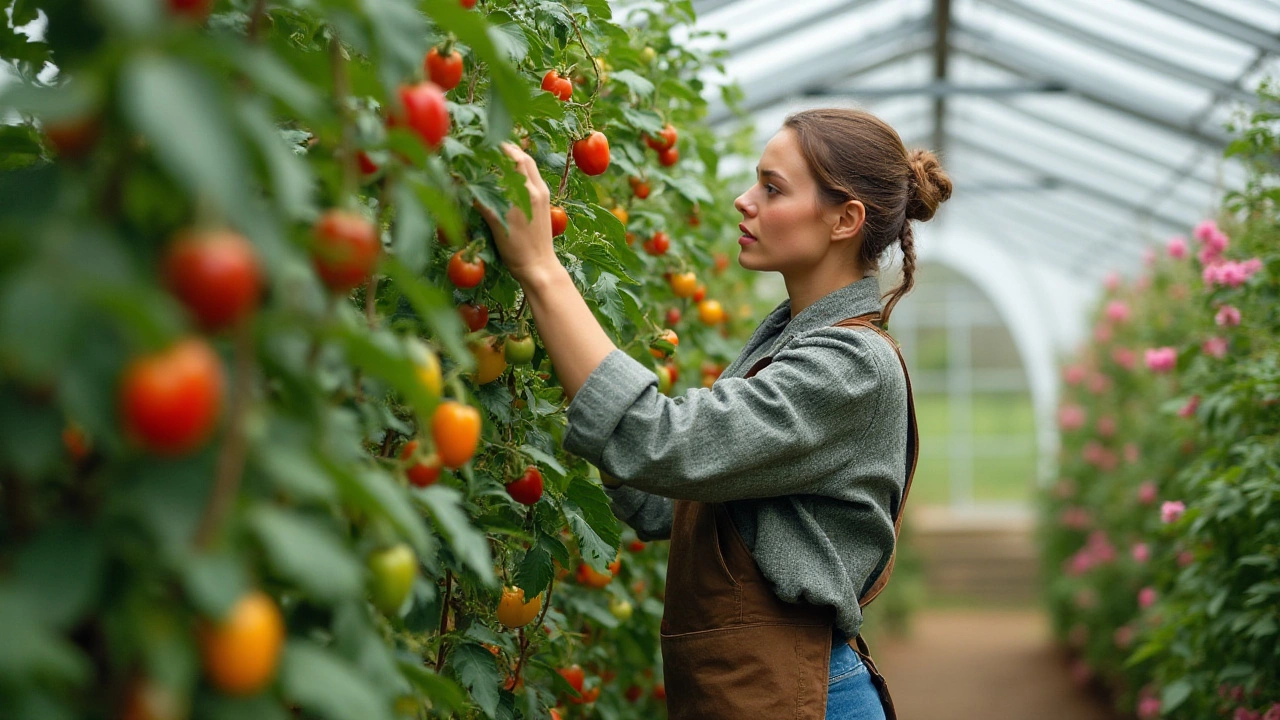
1074	374
1141	553
1177	247
1098	383
1076	518
1171	510
1162	359
1071	417
1208	256
1131	453
1204	229
1146	597
1149	708
1185	558
1147	492
1234	693
1215	347
1217	241
1124	357
1231	274
1252	265
1228	316
1273	713
1117	311
1106	426
1123	637
1243	713
1102	333
1112	281
1189	410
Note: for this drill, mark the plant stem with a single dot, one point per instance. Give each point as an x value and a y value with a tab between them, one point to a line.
444	618
230	463
341	91
564	178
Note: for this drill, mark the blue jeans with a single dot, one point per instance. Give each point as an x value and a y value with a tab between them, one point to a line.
850	693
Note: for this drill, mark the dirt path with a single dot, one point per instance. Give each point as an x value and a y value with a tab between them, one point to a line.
982	664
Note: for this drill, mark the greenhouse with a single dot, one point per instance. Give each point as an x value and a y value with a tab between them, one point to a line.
544	359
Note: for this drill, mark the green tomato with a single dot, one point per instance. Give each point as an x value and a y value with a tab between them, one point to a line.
621	609
394	570
664	379
519	350
647	55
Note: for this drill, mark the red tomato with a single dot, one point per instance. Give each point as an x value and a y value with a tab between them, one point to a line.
592	153
475	316
421	473
588	696
722	263
666	138
591	578
443	70
366	163
673	316
424	111
668	157
215	274
467	4
557	85
73	138
346	248
555	714
658	244
700	294
574	676
660	691
633	693
528	488
196	10
465	273
639	187
636	546
170	401
631	239
559	221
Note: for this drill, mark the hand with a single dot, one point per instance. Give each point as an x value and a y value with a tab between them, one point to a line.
525	245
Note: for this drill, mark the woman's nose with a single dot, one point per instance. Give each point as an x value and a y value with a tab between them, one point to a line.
744	207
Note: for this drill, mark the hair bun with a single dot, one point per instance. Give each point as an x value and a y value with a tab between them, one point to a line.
931	186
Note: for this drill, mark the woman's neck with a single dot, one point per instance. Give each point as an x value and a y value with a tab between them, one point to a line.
822	280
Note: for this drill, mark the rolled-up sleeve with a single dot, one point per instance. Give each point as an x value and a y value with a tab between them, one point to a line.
787	430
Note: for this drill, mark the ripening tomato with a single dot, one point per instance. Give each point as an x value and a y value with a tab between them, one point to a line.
591	578
658	244
443	70
72	138
76	442
695	217
424	110
639	187
475	316
591	153
514	612
215	274
589	695
421	473
557	85
455	428
491	361
427	366
673	316
621	609
710	312
666	139
633	693
555	714
675	372
636	545
170	401
241	651
559	221
668	335
573	675
196	10
684	284
722	263
527	489
366	164
668	157
665	380
345	249
393	571
631	239
699	294
518	350
660	691
467	4
465	273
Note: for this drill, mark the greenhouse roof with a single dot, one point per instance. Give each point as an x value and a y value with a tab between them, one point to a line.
1077	133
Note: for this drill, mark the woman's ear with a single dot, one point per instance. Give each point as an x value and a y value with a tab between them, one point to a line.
848	223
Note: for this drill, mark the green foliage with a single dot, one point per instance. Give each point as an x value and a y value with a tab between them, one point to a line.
1206	434
256	120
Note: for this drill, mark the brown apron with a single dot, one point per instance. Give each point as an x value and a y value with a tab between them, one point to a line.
730	647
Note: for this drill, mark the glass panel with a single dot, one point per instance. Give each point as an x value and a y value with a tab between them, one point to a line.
1008	479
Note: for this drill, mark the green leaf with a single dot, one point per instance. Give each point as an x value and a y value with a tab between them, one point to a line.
592	521
31	651
1174	694
477	670
534	573
294	470
276	78
327	685
308	553
374	491
443	692
445	507
215	706
401	32
181	113
62	570
214	582
508	38
544	459
412	240
644	120
637	85
291	175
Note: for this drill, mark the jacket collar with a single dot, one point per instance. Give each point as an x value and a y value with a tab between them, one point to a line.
857	298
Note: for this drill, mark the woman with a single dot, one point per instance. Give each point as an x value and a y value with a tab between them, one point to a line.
782	484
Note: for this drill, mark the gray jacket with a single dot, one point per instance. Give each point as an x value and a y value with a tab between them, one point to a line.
809	455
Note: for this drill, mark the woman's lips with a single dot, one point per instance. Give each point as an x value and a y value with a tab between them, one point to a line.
747	238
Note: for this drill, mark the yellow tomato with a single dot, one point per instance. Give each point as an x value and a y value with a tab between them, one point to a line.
684	284
620	213
710	312
240	653
427	366
514	612
490	361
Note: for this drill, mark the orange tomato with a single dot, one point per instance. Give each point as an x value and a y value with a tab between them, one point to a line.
710	312
491	360
455	428
668	335
240	653
621	213
591	578
684	284
514	611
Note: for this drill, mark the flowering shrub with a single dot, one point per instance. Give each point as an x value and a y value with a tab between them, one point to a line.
1186	622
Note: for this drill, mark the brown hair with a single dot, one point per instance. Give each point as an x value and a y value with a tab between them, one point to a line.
855	155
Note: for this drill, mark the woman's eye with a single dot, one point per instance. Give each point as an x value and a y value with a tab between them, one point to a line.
770	189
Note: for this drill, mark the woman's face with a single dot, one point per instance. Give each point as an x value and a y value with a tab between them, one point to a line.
786	228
